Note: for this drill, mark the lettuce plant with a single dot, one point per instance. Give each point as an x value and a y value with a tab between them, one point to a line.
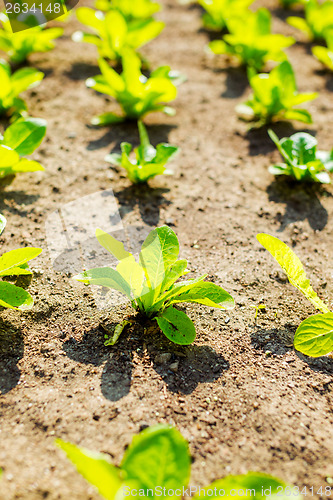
314	336
113	33
20	45
19	140
318	19
274	97
157	464
140	9
12	85
219	11
148	161
325	54
255	45
302	160
136	94
14	263
151	286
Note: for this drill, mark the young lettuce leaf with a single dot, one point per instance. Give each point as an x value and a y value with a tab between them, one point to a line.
158	460
21	139
14	263
325	54
219	11
314	336
274	97
20	45
254	46
136	94
148	161
151	285
318	19
112	33
302	160
11	105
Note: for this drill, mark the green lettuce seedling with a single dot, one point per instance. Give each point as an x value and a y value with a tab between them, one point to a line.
19	140
325	54
158	461
148	161
318	19
255	45
20	45
302	160
11	85
314	336
219	11
113	33
140	9
151	285
14	263
274	97
136	94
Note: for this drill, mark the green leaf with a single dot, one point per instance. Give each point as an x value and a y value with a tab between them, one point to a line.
25	135
112	339
205	293
158	456
8	157
255	485
292	265
159	251
105	276
174	272
314	336
14	297
95	468
115	247
107	119
16	258
176	326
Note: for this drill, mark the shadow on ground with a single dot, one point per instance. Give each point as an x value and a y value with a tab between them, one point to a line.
11	351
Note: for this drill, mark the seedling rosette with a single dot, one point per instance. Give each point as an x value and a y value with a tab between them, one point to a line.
318	19
20	45
325	54
275	97
255	45
314	336
19	140
150	284
148	161
15	263
302	160
12	85
219	11
158	460
136	94
112	33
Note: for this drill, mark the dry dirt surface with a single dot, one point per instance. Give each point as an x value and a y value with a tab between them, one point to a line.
241	395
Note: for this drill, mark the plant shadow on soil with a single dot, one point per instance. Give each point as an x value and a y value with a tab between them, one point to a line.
10	200
302	202
11	351
190	365
82	71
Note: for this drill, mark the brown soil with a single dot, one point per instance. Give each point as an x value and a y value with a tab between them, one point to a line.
242	396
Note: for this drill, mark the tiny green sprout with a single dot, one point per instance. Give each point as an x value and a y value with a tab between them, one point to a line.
20	45
11	105
302	160
274	97
158	460
112	33
325	54
140	9
19	140
14	263
148	161
318	19
150	284
259	307
218	12
136	94
255	45
314	336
